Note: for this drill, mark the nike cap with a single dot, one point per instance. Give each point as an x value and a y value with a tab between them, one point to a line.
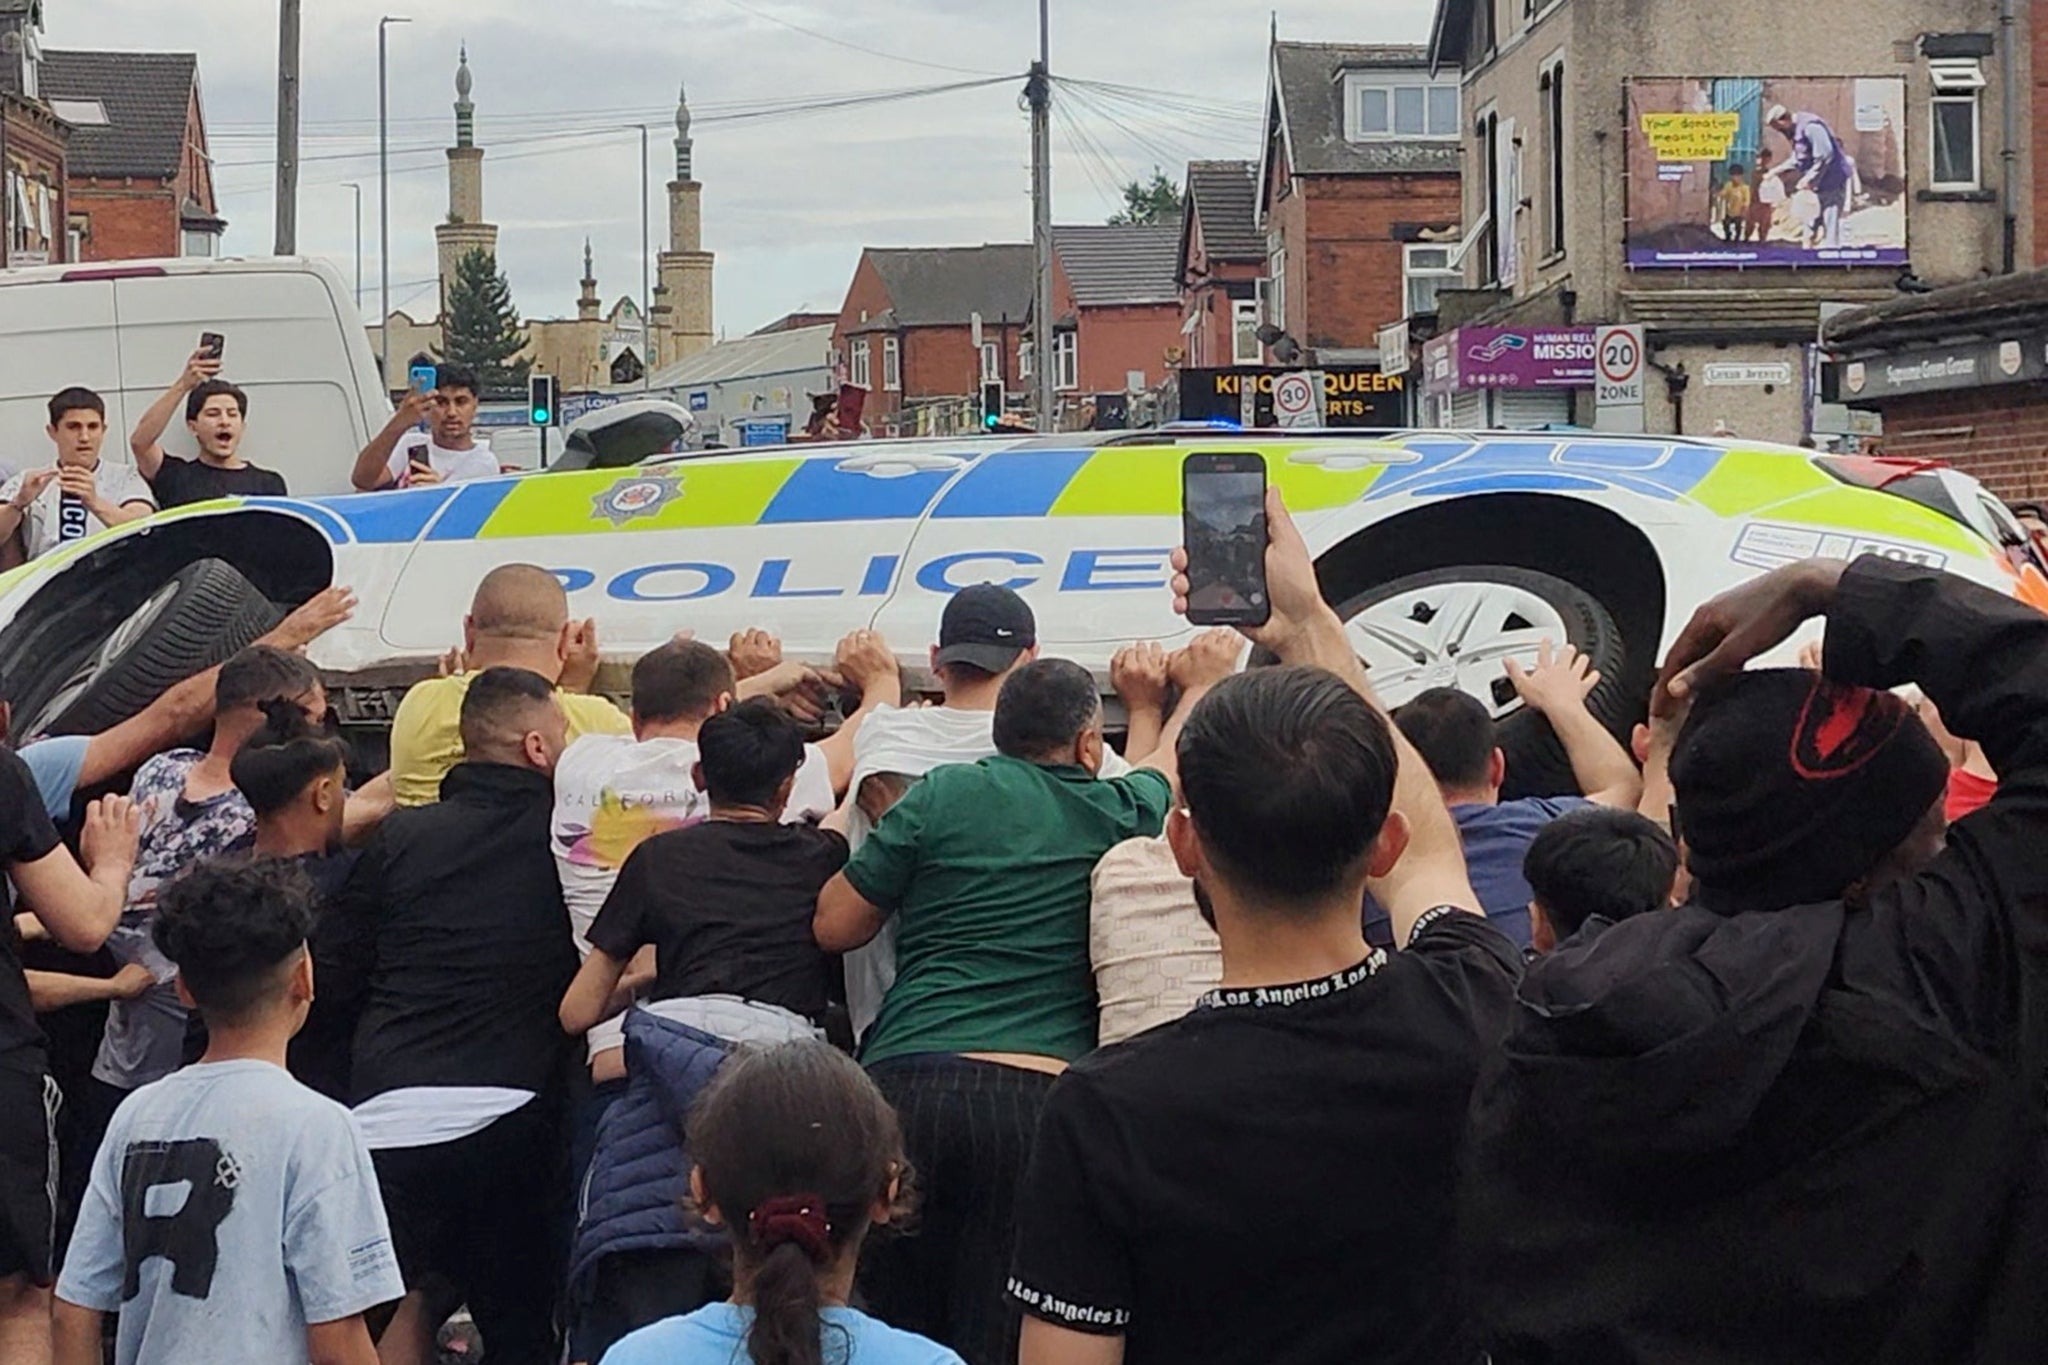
986	627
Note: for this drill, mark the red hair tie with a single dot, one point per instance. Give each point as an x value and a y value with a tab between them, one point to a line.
798	1218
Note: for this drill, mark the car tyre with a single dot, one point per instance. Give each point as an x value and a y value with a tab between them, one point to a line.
1536	761
201	616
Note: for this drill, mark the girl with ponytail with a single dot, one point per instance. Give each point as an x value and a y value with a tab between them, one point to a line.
796	1154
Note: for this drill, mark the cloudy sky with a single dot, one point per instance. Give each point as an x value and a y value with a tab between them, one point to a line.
791	193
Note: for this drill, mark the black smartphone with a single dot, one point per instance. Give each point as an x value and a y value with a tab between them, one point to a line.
1223	527
212	345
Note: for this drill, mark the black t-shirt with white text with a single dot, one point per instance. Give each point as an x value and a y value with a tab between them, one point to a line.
26	835
1270	1179
178	482
727	905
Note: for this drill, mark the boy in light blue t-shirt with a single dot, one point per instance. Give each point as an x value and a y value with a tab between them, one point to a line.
233	1214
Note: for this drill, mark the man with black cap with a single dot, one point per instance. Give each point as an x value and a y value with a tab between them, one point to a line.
986	633
1801	1118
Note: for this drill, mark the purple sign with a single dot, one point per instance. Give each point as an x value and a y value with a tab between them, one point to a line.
1509	358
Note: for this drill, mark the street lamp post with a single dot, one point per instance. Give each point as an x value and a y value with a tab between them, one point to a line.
384	197
646	317
352	185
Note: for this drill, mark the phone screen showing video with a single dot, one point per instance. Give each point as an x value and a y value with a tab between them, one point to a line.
1223	513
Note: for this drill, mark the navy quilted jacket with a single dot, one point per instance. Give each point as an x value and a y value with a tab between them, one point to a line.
640	1173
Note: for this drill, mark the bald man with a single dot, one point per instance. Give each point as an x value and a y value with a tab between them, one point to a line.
519	618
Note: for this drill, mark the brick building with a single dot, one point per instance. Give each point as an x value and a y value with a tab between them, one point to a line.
1116	309
32	145
1360	162
140	180
905	333
1960	375
1222	261
1587	202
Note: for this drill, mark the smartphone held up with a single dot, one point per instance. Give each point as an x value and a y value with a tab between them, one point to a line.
1223	528
212	345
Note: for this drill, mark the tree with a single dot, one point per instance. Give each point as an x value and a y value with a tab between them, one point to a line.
483	330
1149	205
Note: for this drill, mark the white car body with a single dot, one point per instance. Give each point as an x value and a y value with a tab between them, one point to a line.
813	541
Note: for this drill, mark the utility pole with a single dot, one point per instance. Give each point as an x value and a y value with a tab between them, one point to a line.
1038	92
384	198
287	127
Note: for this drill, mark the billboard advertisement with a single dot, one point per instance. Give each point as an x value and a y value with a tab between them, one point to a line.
1353	395
1767	171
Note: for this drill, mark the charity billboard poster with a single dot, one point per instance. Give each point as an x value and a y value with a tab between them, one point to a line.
1749	172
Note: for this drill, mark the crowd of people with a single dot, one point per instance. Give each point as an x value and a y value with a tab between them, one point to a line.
430	439
680	1033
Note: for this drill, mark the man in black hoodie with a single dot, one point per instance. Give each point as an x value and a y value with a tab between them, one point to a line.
452	934
1800	1119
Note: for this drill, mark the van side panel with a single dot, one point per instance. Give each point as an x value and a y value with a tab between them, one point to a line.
285	347
51	337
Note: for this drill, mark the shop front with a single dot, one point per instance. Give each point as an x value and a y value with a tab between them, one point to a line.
1353	396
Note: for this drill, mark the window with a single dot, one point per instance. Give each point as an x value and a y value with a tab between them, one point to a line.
1427	270
1957	120
1245	348
1385	110
991	362
892	364
1488	133
1276	285
1482	29
1957	117
1066	360
1023	360
859	375
199	243
1552	89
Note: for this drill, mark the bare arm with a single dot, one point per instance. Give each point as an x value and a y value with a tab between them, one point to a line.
81	908
1139	673
1044	1343
346	1342
373	465
187	708
1558	687
590	1000
863	660
1304	630
845	919
144	441
367	806
74	1334
49	991
24	490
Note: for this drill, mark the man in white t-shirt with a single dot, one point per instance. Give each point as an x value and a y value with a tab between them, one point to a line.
79	494
402	456
612	793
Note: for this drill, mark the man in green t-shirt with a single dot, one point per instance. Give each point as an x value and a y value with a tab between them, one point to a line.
985	869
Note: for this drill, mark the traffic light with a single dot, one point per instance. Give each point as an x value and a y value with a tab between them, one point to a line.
991	405
540	400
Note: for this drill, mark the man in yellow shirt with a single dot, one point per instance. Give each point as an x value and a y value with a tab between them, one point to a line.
519	618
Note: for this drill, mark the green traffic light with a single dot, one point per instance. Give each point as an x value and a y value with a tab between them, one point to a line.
540	414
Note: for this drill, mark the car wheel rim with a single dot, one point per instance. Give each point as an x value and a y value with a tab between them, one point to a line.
1453	635
118	642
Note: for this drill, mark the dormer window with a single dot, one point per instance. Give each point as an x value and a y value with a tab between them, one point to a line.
1390	107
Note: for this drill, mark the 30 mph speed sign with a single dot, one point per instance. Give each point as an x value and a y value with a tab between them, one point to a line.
1294	399
1618	378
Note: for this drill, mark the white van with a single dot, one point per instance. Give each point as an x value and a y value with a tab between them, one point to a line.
295	345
